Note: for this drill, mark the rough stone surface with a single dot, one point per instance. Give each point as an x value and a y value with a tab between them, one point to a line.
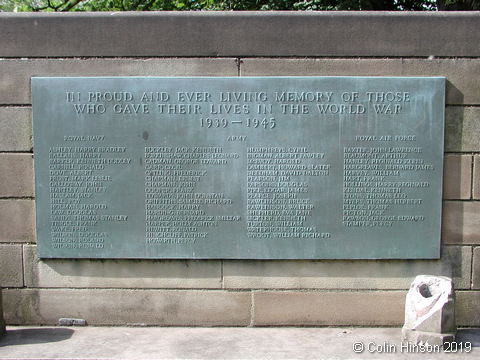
240	33
52	273
460	222
11	272
476	268
457	176
430	311
15	129
476	176
341	274
466	309
128	307
462	124
16	175
462	87
17	221
312	308
15	74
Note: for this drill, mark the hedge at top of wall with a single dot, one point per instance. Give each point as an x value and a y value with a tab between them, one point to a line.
212	34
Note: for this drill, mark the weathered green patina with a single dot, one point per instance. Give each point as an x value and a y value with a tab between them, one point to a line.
248	168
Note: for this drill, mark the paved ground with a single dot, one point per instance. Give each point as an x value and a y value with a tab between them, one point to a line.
217	343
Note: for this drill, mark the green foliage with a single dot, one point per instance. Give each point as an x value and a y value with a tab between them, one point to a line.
176	5
392	5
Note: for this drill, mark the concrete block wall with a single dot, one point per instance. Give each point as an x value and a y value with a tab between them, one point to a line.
236	292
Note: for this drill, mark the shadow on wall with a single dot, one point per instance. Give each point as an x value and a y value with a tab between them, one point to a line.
453	141
454	118
456	140
35	336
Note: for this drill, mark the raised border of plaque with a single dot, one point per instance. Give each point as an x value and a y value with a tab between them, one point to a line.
238	167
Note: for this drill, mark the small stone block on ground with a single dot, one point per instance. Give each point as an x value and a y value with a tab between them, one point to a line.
430	311
71	322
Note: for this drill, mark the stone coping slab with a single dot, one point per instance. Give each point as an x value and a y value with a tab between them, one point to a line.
211	34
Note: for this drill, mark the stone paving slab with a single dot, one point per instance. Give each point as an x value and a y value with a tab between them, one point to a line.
218	343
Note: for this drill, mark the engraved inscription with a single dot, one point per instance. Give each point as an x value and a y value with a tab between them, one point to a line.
277	190
176	212
238	168
374	193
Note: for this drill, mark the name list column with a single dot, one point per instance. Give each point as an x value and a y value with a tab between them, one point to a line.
177	212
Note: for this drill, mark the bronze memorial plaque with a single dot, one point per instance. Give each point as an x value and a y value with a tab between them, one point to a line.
239	168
